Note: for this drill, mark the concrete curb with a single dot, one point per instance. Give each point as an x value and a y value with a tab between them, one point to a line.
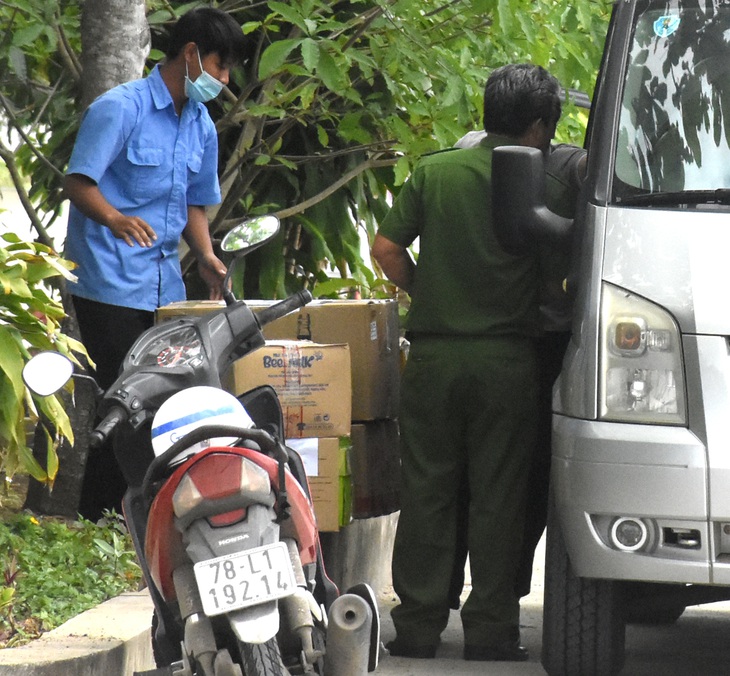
112	639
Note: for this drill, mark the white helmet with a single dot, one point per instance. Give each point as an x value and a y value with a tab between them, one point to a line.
191	408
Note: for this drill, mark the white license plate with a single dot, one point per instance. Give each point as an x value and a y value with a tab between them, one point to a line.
245	578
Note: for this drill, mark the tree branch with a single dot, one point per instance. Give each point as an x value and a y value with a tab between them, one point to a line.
67	54
344	180
7	155
13	120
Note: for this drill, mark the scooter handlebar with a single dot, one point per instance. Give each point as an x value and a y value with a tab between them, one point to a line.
269	314
102	431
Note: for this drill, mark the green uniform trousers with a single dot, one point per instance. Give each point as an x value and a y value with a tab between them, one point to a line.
468	409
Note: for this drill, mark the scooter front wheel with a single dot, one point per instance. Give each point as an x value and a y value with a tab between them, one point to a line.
262	659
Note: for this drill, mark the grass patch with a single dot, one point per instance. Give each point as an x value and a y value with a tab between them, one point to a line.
54	569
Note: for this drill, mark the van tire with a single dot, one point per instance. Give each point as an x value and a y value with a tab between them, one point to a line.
583	627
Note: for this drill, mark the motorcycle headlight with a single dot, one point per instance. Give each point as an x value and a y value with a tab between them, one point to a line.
642	372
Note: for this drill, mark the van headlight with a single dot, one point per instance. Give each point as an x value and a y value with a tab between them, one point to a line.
642	376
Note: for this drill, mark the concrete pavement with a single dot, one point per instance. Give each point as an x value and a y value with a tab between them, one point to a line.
449	660
696	645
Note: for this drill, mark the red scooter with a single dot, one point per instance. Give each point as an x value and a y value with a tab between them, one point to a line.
219	508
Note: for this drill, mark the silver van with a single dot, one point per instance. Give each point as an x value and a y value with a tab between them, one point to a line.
639	524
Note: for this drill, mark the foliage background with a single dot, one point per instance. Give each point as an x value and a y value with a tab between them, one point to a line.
30	319
335	102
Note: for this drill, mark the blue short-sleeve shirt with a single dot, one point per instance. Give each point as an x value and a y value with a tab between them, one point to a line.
150	163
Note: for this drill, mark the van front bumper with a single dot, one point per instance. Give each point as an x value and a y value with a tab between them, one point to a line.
655	476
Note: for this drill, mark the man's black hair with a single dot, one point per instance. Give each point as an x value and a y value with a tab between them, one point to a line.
518	94
212	30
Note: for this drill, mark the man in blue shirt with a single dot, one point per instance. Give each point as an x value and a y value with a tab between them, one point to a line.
143	169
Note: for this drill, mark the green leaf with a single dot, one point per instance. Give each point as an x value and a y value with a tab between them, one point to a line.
454	92
250	27
104	547
307	94
30	464
6	596
18	63
402	170
322	136
275	55
11	359
332	76
289	13
334	286
310	54
352	129
24	37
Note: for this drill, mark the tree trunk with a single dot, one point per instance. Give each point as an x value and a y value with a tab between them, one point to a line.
115	43
115	39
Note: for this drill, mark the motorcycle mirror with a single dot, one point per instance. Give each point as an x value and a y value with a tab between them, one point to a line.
242	239
47	372
250	234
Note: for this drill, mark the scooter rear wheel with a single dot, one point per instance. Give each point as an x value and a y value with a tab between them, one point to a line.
262	659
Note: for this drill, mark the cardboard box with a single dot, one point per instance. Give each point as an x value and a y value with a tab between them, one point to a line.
328	472
375	468
370	327
312	382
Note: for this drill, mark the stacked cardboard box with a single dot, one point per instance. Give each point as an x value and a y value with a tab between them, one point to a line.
375	468
326	461
370	328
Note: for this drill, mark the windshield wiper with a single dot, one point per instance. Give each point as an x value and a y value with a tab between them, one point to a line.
670	199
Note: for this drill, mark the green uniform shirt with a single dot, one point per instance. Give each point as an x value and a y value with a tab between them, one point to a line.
465	284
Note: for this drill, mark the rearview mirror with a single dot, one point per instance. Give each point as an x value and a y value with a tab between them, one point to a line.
242	239
250	234
47	372
521	219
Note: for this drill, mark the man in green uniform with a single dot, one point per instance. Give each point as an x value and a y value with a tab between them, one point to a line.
469	396
565	168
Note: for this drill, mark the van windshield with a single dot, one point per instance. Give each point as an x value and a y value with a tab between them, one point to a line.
673	136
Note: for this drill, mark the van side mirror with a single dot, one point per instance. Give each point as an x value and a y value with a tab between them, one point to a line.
521	218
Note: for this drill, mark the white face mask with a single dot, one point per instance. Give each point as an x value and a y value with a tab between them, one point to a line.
205	88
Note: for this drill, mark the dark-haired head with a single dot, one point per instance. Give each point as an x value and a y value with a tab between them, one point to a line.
212	31
518	94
